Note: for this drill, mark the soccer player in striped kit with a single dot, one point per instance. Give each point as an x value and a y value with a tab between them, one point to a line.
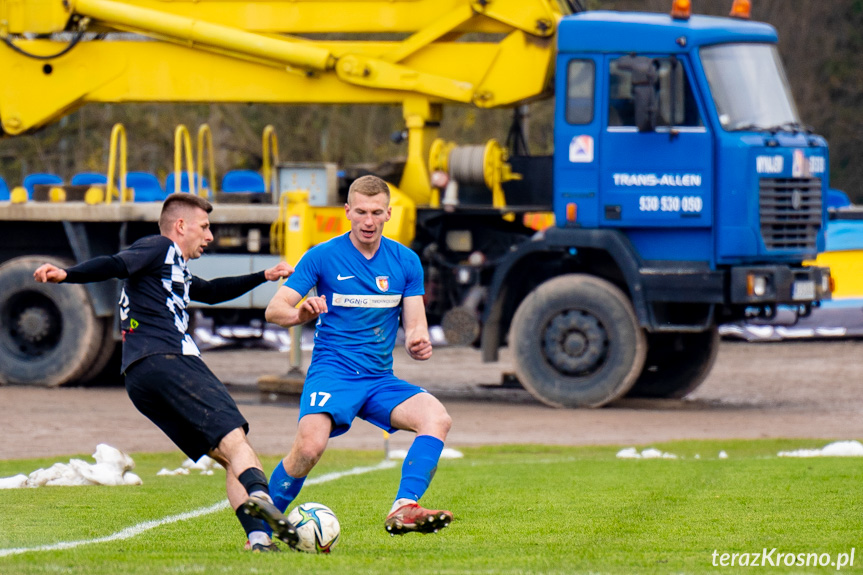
165	376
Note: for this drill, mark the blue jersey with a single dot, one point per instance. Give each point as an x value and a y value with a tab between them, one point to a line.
364	301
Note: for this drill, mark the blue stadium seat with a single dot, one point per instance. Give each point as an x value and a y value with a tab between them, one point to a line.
39	178
843	235
4	191
146	185
184	183
243	181
89	178
837	199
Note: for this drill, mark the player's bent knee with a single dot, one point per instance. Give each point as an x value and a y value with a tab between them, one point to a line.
236	438
443	422
219	458
446	421
437	422
309	452
439	415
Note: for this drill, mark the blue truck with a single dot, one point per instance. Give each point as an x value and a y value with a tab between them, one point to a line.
685	189
687	192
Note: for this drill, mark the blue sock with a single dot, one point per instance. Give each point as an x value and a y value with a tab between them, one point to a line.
419	467
284	488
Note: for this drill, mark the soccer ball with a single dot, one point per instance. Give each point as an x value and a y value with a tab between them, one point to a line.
317	527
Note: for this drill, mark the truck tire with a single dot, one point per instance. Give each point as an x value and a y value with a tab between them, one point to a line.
676	364
576	342
49	334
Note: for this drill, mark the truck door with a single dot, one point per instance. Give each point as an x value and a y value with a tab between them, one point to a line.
577	124
658	184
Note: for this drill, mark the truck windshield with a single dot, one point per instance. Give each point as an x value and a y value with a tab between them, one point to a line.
749	87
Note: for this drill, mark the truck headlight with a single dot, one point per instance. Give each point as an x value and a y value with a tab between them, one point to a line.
756	285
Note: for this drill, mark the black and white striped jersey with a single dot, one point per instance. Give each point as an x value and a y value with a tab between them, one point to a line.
156	294
154	300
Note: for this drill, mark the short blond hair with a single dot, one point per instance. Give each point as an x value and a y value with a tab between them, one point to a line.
368	186
177	203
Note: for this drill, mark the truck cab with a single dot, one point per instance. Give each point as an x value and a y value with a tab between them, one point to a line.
724	172
685	184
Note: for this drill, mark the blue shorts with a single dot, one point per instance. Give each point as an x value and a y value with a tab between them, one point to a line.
346	395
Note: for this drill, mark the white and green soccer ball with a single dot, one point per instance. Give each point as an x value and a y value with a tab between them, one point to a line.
317	526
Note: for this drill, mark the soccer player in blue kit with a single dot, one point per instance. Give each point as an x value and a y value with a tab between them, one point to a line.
364	282
166	378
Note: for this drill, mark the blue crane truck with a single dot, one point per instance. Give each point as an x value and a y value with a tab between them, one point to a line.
687	192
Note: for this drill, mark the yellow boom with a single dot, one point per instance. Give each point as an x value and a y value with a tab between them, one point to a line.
62	54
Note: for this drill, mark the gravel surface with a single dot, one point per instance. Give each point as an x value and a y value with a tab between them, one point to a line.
792	389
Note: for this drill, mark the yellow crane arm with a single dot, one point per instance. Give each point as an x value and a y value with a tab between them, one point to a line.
196	32
234	51
306	16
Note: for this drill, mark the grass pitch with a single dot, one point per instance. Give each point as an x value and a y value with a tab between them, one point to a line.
518	509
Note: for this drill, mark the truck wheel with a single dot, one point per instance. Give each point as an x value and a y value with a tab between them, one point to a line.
676	363
576	342
49	334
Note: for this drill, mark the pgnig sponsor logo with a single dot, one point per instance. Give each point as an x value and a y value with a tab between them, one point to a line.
776	558
371	301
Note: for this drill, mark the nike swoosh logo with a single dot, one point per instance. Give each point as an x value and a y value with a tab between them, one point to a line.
340	278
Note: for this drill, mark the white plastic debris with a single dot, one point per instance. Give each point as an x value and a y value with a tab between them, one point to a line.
178	471
652	453
648	453
723	455
112	467
628	453
57	474
836	449
205	465
447	453
398	454
14	482
130	478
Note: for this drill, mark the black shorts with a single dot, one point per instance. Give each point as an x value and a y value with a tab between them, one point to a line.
185	399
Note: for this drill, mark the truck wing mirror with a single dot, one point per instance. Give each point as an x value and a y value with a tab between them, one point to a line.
644	81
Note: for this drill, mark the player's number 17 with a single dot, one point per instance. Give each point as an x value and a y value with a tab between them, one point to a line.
322	395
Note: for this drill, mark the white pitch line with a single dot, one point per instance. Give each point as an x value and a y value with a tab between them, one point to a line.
136	530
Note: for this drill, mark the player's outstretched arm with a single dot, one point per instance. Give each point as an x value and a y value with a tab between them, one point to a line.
225	289
282	309
417	340
98	269
49	273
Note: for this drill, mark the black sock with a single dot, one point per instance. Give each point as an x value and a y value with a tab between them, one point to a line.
250	523
253	479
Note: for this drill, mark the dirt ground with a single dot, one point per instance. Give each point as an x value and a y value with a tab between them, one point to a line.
796	389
